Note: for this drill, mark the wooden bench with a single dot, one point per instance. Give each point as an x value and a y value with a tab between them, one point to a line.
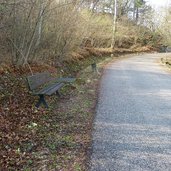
42	84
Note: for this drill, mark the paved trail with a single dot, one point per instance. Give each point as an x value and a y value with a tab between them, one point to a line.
132	129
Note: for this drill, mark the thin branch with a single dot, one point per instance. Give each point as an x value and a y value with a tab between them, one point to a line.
22	55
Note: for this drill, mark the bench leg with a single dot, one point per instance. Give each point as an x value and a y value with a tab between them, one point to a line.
58	93
41	100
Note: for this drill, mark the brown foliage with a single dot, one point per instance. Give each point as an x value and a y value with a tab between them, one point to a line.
16	114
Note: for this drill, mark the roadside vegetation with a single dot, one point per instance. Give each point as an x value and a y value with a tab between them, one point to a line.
166	61
64	38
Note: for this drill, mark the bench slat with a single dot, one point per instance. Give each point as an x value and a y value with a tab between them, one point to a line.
54	89
47	88
39	79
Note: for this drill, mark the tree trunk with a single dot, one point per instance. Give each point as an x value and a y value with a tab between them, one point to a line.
40	24
114	25
137	14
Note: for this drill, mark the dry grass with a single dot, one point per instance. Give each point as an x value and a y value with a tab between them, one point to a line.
82	54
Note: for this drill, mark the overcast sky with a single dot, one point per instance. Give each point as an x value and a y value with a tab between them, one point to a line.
158	3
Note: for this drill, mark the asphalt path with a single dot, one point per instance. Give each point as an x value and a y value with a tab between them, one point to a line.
132	127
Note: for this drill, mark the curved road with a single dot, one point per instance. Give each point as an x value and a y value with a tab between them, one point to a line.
132	129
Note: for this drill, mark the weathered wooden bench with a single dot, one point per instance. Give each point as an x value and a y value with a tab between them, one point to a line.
42	84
